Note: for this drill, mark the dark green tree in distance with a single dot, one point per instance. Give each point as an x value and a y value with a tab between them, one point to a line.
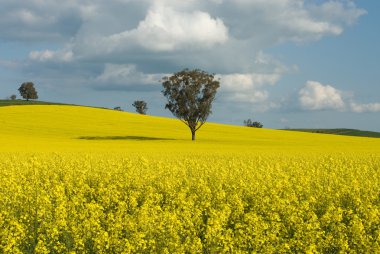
13	97
27	91
190	94
141	107
250	123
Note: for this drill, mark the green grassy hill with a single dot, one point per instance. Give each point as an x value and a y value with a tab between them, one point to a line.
20	102
342	131
24	102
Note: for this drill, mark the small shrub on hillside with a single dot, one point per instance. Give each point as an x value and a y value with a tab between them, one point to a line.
250	123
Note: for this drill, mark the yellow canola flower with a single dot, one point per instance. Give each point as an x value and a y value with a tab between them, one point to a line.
84	180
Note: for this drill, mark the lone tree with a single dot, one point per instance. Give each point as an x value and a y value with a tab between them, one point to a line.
13	97
190	94
27	91
141	107
250	123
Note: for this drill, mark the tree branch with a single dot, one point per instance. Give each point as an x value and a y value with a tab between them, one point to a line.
199	126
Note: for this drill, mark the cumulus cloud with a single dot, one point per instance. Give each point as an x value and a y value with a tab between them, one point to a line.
277	21
166	29
50	55
125	77
360	108
338	12
98	28
251	97
41	20
253	87
247	88
316	96
244	82
140	39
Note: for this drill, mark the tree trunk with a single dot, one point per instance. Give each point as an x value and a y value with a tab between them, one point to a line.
193	135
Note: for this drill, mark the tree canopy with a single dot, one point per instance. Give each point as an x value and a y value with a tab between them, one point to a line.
28	91
255	124
190	94
141	107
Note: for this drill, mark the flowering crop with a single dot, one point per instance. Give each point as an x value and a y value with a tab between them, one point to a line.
222	194
105	204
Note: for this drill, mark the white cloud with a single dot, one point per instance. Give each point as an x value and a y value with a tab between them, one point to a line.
49	55
316	96
41	20
167	29
360	108
251	87
251	97
248	88
245	82
100	28
338	12
126	75
275	21
223	36
29	18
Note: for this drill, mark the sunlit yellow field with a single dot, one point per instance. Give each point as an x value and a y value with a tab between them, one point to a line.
85	180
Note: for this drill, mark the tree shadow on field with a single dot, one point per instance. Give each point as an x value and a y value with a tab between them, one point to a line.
141	138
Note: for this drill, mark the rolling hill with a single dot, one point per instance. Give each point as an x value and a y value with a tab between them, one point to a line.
24	102
75	128
88	180
338	131
342	131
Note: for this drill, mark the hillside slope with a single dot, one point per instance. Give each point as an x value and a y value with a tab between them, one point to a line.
342	131
24	102
72	128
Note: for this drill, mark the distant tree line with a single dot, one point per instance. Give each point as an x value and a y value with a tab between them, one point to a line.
251	123
140	106
12	97
27	91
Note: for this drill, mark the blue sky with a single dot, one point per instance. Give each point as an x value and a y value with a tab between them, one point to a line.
285	63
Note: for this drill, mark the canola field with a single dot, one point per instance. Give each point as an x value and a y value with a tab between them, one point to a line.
84	180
